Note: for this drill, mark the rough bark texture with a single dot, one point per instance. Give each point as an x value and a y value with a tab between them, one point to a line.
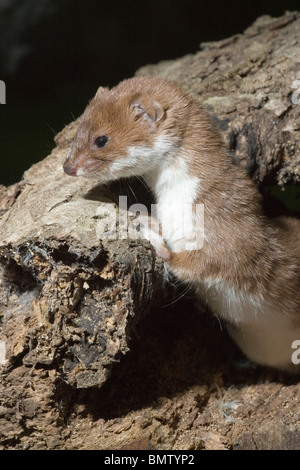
250	83
99	355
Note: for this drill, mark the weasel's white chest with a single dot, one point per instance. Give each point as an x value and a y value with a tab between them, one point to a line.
176	193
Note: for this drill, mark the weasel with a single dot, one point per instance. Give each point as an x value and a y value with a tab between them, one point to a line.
244	265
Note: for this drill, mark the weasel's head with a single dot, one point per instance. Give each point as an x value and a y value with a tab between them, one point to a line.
119	135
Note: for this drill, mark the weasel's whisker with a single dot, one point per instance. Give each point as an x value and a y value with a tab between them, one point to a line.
51	128
141	179
178	298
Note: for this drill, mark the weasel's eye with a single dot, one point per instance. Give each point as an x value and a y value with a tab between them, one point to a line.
101	141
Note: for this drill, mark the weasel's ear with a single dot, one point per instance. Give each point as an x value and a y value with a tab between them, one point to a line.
100	91
147	109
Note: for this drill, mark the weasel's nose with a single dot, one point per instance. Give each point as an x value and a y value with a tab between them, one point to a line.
70	170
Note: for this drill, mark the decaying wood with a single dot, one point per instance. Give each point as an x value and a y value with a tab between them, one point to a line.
97	355
70	296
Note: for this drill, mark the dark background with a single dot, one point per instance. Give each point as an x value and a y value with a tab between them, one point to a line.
55	53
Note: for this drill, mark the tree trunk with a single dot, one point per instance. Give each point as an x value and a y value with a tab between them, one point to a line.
94	339
250	84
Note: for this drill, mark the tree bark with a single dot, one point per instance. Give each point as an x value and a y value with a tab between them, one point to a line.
87	345
250	84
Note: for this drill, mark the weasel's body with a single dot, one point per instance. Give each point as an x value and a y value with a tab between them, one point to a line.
248	269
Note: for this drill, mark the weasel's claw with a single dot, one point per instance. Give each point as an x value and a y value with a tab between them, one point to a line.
150	229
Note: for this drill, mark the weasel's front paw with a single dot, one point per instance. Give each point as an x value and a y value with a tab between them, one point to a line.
151	230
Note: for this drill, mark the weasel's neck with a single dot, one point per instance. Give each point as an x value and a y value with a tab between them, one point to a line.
174	181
